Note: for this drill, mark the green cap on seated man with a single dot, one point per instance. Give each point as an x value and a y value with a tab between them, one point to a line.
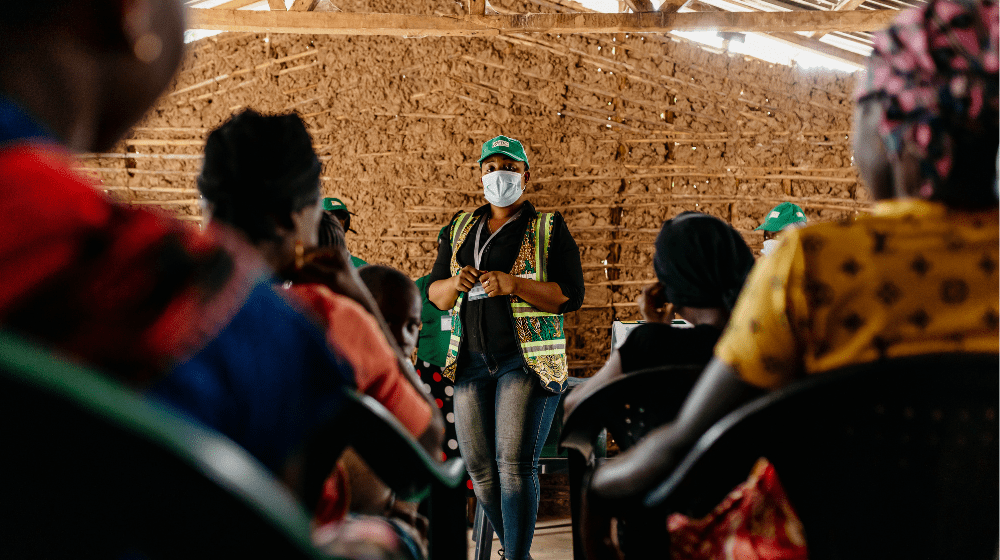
782	216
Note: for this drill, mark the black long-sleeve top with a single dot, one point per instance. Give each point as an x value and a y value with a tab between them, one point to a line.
488	323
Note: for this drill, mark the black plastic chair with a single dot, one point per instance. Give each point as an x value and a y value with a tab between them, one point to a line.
630	407
627	409
94	470
895	459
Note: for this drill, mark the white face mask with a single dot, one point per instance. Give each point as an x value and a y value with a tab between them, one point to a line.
502	188
769	246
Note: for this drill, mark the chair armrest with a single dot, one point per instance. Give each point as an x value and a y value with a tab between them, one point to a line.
188	451
385	446
582	427
395	456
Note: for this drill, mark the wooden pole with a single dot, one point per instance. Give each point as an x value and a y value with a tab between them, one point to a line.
842	6
234	4
476	7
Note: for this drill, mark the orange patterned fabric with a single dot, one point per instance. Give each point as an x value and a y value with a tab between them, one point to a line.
754	522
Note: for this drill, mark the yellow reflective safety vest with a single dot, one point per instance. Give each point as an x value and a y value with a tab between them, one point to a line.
540	335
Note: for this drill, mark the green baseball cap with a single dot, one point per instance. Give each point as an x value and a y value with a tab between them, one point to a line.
506	146
781	216
332	204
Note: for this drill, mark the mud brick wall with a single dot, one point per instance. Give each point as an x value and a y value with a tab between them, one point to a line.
622	132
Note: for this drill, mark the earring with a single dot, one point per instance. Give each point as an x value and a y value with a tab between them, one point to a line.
148	47
300	254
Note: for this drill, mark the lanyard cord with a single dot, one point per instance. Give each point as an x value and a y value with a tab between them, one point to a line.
478	253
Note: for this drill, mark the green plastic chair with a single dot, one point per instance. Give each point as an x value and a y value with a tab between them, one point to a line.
93	469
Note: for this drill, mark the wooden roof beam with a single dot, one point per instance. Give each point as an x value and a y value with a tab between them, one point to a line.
796	40
817	46
640	5
235	4
407	25
842	6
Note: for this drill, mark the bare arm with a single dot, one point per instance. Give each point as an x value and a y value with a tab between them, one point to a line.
611	371
443	293
638	470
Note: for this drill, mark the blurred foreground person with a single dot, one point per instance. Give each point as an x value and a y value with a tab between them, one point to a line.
136	295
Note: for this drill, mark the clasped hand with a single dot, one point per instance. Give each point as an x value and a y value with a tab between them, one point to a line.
495	283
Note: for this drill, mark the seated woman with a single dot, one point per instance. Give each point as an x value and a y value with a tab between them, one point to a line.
919	276
700	263
261	177
143	298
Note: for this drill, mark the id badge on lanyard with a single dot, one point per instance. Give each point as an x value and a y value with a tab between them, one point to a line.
478	292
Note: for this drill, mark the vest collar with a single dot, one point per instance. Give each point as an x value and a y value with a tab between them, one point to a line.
526	211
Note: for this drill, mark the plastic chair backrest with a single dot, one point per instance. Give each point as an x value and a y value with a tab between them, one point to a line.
631	407
92	469
895	459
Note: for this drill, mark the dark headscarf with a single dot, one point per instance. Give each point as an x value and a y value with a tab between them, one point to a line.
701	261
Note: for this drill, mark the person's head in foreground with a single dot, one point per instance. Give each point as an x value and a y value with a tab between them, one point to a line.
89	70
783	216
261	176
925	123
504	168
701	263
399	300
917	277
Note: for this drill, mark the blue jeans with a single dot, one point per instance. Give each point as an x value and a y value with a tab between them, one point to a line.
502	417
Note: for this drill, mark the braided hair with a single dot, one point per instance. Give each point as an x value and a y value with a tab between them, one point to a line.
258	171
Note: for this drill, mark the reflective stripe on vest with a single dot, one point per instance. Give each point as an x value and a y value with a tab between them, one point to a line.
540	335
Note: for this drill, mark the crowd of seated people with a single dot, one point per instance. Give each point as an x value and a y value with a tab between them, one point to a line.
204	320
200	321
917	277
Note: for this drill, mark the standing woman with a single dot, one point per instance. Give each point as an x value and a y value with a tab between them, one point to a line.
508	274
